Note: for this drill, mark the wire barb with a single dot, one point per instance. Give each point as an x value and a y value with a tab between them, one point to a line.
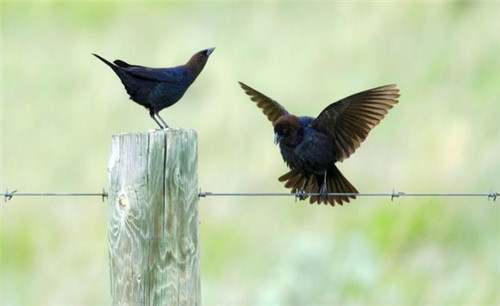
8	195
396	194
493	195
104	195
202	194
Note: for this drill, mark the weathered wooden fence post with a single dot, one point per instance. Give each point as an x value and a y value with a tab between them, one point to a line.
153	218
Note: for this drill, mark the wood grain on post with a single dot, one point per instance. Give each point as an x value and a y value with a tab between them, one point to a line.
153	218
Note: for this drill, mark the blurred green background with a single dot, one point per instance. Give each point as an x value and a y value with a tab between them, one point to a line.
60	107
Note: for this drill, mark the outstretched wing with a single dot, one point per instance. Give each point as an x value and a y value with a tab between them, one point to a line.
272	109
350	120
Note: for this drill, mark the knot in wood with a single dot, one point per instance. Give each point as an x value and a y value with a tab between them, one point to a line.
122	201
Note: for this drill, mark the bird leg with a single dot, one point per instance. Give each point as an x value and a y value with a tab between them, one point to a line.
157	122
324	188
162	121
152	114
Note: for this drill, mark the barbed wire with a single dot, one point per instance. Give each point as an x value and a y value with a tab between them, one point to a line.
491	195
8	195
394	194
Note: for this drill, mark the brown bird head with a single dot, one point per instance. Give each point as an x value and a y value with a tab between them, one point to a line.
198	61
287	130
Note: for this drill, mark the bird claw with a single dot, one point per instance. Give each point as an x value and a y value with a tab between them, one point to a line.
301	194
323	191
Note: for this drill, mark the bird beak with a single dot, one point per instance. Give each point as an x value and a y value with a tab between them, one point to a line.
277	138
209	51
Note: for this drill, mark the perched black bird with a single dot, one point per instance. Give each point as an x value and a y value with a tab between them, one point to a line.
311	146
158	88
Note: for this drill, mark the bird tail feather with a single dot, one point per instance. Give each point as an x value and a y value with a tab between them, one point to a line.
105	61
127	80
311	183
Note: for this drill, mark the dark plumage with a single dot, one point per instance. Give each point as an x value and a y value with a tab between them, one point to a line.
158	88
311	146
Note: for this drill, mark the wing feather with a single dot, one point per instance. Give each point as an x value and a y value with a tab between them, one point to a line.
350	120
271	108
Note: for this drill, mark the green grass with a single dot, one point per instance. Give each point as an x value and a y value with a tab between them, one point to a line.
60	107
